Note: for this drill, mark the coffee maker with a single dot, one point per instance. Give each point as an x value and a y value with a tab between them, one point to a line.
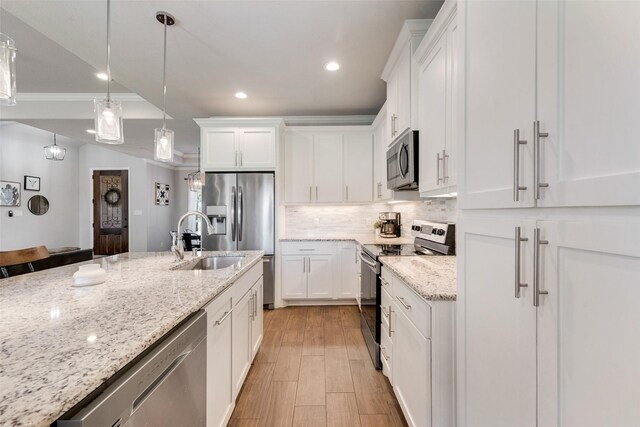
391	225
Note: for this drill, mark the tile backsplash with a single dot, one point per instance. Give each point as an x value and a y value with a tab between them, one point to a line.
359	219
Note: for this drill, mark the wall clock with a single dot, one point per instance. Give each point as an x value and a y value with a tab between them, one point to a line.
32	183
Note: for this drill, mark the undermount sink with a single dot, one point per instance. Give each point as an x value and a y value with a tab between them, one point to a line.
217	262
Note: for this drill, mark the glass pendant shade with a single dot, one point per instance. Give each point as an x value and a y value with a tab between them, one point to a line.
7	71
196	181
54	152
108	121
163	145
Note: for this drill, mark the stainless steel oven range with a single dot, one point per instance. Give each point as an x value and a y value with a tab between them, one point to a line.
431	239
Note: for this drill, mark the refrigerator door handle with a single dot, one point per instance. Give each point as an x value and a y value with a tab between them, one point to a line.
233	214
240	214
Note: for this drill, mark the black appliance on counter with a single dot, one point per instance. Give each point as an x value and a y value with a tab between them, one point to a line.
431	239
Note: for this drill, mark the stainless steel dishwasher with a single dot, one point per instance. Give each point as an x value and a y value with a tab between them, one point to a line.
167	387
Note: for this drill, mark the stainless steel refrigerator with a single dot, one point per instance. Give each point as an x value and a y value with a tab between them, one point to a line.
241	207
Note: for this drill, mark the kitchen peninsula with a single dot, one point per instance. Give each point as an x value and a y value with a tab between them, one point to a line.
60	343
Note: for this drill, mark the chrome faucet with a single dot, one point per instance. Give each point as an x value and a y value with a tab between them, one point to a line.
176	245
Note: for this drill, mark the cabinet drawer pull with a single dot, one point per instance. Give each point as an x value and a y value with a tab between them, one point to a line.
384	282
382	348
438	159
223	318
536	158
404	303
517	142
518	283
390	312
536	267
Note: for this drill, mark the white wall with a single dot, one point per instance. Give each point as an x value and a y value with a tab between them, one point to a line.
162	219
21	153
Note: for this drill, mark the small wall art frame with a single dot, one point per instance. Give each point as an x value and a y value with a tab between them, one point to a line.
31	183
162	194
10	193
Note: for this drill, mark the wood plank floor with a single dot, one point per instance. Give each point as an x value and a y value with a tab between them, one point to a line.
313	369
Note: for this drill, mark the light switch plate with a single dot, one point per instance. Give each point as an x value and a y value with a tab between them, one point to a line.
137	212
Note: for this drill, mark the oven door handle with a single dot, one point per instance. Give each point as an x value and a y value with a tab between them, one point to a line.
366	261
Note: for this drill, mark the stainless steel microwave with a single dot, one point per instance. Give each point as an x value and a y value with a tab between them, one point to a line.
402	162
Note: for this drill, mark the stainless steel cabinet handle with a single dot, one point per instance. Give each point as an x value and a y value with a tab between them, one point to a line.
240	158
255	304
251	305
536	159
403	302
316	193
438	159
517	142
536	267
309	261
347	192
310	193
223	318
236	159
382	350
240	213
390	313
304	264
233	214
518	240
445	167
384	282
304	249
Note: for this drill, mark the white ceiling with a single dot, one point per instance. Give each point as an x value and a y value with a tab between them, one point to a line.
273	50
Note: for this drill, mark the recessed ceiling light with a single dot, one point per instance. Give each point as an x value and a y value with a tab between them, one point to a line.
241	95
332	66
102	76
92	131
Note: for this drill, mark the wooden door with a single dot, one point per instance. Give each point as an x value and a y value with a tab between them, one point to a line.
588	100
588	347
110	212
358	166
327	156
497	362
500	66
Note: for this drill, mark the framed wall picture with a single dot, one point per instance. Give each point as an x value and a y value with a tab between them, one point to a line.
9	193
32	183
162	194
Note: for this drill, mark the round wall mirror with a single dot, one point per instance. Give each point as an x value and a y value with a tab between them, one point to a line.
38	205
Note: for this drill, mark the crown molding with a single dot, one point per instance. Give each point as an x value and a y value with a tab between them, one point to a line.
75	97
412	31
439	26
239	121
357	120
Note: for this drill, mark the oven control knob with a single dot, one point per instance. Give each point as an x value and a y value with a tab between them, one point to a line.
440	232
434	231
415	227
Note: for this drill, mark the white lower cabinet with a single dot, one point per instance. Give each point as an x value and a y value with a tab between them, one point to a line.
234	335
220	400
417	352
563	352
319	270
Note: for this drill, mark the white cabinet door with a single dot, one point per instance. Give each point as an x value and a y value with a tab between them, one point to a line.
497	364
257	321
588	346
433	117
349	282
500	98
294	276
403	76
241	328
220	399
588	100
392	105
327	155
453	104
219	149
298	164
320	276
412	371
380	144
257	147
358	166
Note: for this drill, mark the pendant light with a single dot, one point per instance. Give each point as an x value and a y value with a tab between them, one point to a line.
108	112
7	70
163	137
196	179
54	152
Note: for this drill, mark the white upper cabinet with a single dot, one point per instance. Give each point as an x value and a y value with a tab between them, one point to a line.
564	77
401	77
500	101
380	145
437	104
358	169
238	144
328	165
588	103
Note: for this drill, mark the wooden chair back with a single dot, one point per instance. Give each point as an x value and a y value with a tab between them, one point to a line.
22	256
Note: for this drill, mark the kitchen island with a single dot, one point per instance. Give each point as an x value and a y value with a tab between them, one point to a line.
59	343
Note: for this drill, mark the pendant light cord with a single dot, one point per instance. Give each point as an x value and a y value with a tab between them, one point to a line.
108	50
164	75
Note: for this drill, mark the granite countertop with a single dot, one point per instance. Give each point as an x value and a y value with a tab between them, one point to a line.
432	277
363	239
59	343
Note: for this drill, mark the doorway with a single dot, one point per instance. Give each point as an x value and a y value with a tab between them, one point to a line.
110	212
